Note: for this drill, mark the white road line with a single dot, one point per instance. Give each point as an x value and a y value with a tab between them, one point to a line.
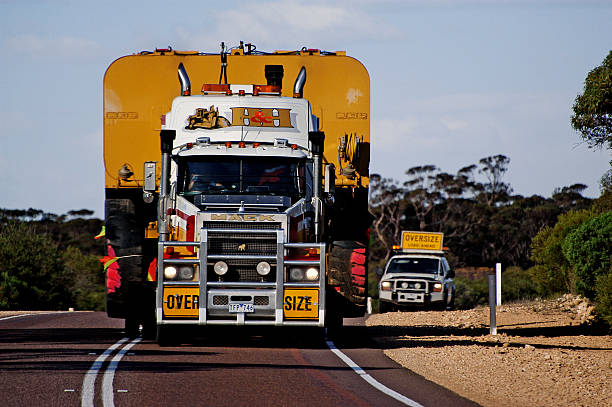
27	315
109	375
379	386
89	382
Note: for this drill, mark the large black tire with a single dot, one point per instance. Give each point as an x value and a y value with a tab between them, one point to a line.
347	276
383	306
166	336
132	327
449	300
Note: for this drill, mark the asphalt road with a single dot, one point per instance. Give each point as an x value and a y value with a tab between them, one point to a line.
84	358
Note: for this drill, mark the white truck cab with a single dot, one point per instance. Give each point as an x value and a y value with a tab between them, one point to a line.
418	275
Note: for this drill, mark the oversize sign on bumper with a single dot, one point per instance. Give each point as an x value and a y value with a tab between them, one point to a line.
181	301
301	303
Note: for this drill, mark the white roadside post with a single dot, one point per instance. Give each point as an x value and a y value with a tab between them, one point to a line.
492	305
498	282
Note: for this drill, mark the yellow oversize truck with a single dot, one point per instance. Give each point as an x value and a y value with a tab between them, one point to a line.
242	201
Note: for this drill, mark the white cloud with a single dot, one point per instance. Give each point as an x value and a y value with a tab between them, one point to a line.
277	24
38	46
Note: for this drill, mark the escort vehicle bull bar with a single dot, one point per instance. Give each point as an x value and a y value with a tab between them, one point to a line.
204	285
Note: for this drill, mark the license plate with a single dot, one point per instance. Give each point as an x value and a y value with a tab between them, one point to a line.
410	297
241	308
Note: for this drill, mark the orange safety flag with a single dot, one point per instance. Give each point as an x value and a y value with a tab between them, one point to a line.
152	270
107	261
111	267
101	234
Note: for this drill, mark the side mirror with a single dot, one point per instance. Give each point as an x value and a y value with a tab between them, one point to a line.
330	179
150	168
450	273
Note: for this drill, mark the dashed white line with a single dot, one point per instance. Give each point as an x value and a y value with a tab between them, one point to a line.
109	374
89	382
376	384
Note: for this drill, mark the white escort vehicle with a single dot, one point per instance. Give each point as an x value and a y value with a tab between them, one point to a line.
418	275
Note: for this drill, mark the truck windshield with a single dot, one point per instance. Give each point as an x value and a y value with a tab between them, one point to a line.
241	175
414	265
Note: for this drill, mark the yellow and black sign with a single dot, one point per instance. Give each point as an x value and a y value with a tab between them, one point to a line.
181	301
422	240
261	117
301	303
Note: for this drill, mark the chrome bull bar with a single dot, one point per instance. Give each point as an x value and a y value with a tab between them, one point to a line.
275	288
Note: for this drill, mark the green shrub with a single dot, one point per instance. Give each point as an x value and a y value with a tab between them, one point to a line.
589	251
603	299
518	284
32	275
553	273
470	293
88	287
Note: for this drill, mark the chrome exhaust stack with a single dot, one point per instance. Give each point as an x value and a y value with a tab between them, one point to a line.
298	86
184	79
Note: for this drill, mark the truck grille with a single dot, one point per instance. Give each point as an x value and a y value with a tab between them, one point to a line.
238	244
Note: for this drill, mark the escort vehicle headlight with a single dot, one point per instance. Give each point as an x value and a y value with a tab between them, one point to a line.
263	268
418	286
170	272
437	287
296	274
404	285
186	273
386	286
220	268
312	274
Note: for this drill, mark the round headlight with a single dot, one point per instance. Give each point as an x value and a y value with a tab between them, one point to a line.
186	273
417	285
296	274
404	285
220	268
263	268
312	274
170	272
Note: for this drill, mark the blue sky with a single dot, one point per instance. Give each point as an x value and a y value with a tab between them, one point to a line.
452	81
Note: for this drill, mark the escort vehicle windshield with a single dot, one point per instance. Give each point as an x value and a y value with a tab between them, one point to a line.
235	175
414	265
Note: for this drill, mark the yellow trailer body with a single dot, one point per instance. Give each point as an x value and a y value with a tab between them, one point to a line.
139	89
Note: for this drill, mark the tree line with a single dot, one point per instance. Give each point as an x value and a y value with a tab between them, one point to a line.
482	221
49	261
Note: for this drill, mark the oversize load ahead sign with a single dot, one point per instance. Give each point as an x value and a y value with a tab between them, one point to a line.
422	240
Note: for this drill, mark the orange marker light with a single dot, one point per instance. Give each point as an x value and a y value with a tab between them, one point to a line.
242	144
228	144
215	87
255	145
294	146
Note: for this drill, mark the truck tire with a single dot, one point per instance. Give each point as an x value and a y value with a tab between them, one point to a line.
383	306
166	336
449	300
347	275
132	327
